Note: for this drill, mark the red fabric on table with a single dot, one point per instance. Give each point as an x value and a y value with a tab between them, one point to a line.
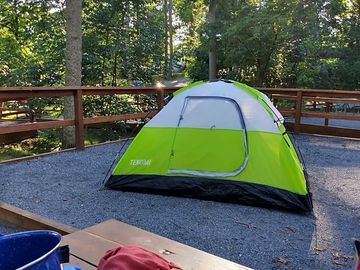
134	258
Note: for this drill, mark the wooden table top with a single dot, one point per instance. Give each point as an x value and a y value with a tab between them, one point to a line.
89	245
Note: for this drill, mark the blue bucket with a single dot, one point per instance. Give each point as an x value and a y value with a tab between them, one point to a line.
33	250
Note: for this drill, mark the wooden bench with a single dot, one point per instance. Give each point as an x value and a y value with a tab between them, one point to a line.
89	245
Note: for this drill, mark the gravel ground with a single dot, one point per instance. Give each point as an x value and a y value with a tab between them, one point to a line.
4	229
66	187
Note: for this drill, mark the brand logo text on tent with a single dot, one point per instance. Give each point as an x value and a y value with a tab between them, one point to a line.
143	162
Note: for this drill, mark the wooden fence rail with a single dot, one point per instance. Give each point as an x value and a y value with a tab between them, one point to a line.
315	96
298	96
79	122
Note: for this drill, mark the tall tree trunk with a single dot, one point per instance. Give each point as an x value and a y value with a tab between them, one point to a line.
171	64
127	64
212	50
114	76
73	54
103	71
166	28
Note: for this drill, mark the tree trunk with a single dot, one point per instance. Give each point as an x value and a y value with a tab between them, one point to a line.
212	50
73	55
114	77
166	58
171	64
127	64
103	71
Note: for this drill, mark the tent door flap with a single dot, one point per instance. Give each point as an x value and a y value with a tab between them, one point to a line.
210	139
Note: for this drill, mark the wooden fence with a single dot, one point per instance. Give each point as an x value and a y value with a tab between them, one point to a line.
14	93
299	98
314	98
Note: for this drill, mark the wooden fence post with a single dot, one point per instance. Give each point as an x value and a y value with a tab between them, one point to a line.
327	110
79	119
298	109
160	98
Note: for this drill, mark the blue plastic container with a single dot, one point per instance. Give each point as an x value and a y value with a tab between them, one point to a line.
33	250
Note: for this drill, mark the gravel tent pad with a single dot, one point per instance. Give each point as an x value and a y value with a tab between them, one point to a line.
5	229
66	187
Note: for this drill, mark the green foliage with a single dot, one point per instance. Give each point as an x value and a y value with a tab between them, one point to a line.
114	105
47	141
31	43
39	106
123	41
266	43
145	103
107	132
313	44
285	43
106	105
12	151
191	14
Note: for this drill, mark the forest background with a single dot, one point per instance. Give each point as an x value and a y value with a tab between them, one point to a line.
279	43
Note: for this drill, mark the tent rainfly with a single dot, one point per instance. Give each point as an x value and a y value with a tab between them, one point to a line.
222	141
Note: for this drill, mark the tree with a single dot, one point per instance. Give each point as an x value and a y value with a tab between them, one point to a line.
212	41
171	35
123	41
286	43
73	55
166	34
31	43
293	43
192	17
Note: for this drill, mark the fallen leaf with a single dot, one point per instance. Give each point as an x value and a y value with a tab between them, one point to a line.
291	229
249	226
281	260
338	263
340	259
319	249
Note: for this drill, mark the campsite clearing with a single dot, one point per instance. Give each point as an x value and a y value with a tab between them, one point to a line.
66	187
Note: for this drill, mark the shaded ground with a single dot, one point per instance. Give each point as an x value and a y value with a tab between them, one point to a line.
332	122
66	187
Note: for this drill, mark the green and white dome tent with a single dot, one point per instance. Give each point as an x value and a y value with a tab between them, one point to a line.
222	141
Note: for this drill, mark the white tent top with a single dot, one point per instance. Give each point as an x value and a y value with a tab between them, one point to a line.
226	97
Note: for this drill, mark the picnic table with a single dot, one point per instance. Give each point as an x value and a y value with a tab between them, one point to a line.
87	246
